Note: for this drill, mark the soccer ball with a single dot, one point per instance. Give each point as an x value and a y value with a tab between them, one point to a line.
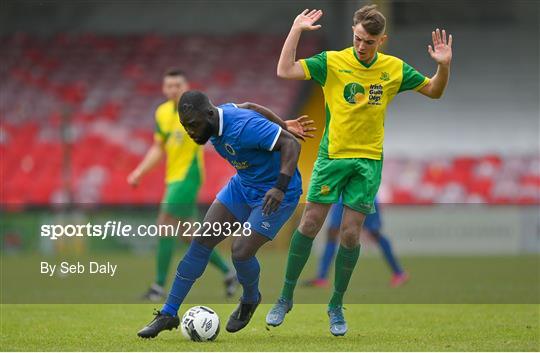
200	323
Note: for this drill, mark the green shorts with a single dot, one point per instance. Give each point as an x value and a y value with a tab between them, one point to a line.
180	199
357	180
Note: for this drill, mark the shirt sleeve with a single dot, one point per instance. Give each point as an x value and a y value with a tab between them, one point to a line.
159	134
412	79
260	133
315	68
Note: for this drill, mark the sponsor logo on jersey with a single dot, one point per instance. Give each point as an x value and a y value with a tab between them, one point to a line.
354	93
239	165
385	76
375	94
230	150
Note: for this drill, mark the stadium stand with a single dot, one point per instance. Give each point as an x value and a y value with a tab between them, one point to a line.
77	111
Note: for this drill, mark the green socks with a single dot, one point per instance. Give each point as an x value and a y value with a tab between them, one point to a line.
299	251
217	260
165	252
346	260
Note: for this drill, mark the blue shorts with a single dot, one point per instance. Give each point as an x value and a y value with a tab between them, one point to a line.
233	196
372	222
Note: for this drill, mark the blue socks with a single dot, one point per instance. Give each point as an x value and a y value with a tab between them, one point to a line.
189	269
386	248
248	272
326	259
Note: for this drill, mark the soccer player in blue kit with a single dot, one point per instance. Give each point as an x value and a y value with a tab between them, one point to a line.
263	194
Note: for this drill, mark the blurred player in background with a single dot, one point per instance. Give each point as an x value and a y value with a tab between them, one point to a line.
358	83
259	198
372	229
184	176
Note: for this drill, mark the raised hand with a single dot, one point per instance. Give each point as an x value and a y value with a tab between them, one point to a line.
300	127
305	21
441	51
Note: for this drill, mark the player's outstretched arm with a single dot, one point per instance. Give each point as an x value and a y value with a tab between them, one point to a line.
290	152
151	159
441	52
300	127
287	66
264	111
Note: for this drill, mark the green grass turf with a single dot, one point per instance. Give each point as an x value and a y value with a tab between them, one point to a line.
372	327
422	319
434	280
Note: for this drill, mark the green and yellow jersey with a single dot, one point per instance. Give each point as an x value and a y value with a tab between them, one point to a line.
356	96
183	154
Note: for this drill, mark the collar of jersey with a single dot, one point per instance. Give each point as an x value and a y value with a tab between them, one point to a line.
364	64
220	111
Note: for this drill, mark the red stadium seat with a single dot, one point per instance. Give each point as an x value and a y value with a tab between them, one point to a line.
51	81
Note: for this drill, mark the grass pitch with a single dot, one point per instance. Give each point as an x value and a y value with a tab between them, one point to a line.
451	304
372	327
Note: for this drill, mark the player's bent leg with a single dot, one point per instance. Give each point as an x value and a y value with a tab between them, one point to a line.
189	270
248	271
165	251
219	213
327	257
346	259
299	251
313	218
301	244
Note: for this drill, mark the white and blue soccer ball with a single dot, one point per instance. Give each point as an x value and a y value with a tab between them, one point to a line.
200	324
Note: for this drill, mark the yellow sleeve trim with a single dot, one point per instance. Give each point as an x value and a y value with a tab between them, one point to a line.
307	74
420	86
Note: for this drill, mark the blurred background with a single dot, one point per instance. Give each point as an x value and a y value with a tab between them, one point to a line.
81	81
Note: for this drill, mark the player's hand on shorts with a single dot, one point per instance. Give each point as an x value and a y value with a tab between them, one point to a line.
272	200
305	21
301	127
134	178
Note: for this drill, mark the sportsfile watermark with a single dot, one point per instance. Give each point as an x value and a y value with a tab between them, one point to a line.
112	229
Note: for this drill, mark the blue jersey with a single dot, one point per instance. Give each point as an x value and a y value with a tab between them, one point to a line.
246	139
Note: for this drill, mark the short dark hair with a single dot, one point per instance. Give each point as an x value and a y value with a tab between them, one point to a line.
371	19
193	101
174	72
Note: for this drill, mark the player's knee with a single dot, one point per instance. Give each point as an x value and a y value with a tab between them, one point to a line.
310	226
208	242
241	252
350	236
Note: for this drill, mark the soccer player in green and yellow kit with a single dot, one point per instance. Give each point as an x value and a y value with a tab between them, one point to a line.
184	176
358	83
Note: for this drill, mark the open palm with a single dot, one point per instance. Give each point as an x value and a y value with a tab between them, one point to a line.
301	127
441	51
305	21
